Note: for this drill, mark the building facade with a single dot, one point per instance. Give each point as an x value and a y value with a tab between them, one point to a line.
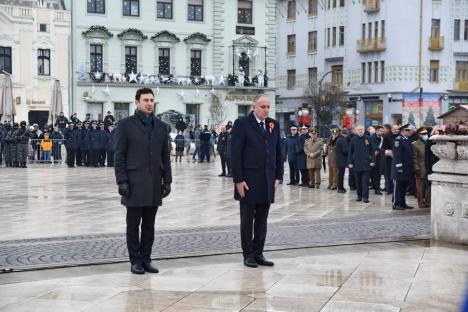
392	61
188	51
34	39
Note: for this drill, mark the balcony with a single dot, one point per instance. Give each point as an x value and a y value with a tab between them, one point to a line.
371	45
436	43
371	6
461	85
16	11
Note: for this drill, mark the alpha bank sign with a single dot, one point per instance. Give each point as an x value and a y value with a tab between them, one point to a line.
240	98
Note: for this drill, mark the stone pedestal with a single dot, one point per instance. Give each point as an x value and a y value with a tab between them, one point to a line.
449	192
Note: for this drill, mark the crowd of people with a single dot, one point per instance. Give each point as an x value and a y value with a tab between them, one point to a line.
402	155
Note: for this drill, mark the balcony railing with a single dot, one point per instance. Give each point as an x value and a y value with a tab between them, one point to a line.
461	85
371	45
16	11
371	6
436	43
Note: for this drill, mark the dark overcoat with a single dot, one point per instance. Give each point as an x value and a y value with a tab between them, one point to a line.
301	157
341	152
291	148
360	153
256	159
402	164
142	160
95	139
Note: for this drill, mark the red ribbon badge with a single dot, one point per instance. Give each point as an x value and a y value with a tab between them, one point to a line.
272	126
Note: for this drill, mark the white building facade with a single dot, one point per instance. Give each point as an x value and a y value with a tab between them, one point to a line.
394	61
34	39
187	51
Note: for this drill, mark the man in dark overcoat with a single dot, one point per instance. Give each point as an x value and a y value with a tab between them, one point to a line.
301	157
143	174
291	142
257	170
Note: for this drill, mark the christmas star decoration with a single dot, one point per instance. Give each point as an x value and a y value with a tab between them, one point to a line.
132	77
221	80
106	91
142	79
212	91
97	75
181	95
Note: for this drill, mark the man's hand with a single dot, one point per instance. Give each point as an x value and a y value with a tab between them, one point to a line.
277	183
241	187
372	164
124	189
350	166
165	190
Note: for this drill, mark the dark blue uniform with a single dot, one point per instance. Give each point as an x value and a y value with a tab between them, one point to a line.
402	170
72	142
256	160
95	143
110	148
291	142
301	159
205	138
85	146
341	159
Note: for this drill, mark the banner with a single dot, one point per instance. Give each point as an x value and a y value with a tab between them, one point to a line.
421	110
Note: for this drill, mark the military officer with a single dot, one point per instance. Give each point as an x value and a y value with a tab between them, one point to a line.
313	148
402	167
22	138
72	142
291	142
301	158
419	164
331	157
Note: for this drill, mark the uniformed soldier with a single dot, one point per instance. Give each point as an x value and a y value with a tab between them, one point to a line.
419	164
103	140
301	158
402	167
94	144
85	144
72	141
330	152
22	138
12	139
313	148
79	153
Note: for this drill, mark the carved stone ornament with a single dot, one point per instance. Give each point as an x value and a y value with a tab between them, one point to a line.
465	210
449	209
450	146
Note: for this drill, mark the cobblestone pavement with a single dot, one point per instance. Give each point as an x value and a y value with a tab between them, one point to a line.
89	249
419	276
47	201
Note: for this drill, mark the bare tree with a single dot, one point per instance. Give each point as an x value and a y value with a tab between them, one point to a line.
216	111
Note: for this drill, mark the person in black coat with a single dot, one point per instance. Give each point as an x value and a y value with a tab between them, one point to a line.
301	157
387	155
95	142
221	148
228	150
351	179
72	141
143	174
103	138
375	173
360	159
291	142
108	120
57	141
110	145
61	122
257	169
85	145
205	140
341	158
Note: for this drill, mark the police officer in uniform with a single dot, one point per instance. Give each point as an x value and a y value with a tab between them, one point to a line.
85	144
301	157
22	137
402	167
72	141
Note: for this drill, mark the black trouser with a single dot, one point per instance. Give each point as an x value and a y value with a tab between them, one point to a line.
94	157
388	184
139	248
352	179
411	188
293	172
110	159
304	176
205	151
228	164
223	163
375	178
399	192
79	157
362	183
71	154
102	156
253	218
341	173
85	157
1	154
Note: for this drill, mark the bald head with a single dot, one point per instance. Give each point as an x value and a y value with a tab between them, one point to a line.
360	130
261	107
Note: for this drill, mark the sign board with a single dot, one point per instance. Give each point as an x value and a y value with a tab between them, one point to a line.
421	110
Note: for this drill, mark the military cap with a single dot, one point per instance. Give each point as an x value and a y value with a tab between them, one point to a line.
378	127
408	127
335	130
313	130
304	127
293	127
422	130
23	123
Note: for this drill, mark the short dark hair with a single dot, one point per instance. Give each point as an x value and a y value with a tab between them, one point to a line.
387	126
143	91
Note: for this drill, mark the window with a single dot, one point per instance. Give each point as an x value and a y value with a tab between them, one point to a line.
244	12
342	3
195	62
292	44
329	4
369	72
334	3
43	62
291	78
456	29
376	30
376	71
328	37
462	71
337	75
97	6
130	60
131	7
369	31
5	59
313	7
434	71
363	72
334	37
164	9
382	71
435	28
95	58
43	27
164	61
195	10
382	29
341	35
291	9
312	41
465	33
312	76
363	35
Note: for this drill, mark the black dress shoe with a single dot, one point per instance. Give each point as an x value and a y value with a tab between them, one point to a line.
137	268
262	261
358	199
222	175
352	188
366	200
250	262
290	183
378	193
396	207
150	268
408	207
229	175
329	187
341	191
311	186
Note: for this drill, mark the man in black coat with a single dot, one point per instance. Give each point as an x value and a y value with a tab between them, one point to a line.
257	169
375	172
72	142
360	159
301	157
291	142
221	148
143	174
95	141
387	155
341	158
61	122
205	138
